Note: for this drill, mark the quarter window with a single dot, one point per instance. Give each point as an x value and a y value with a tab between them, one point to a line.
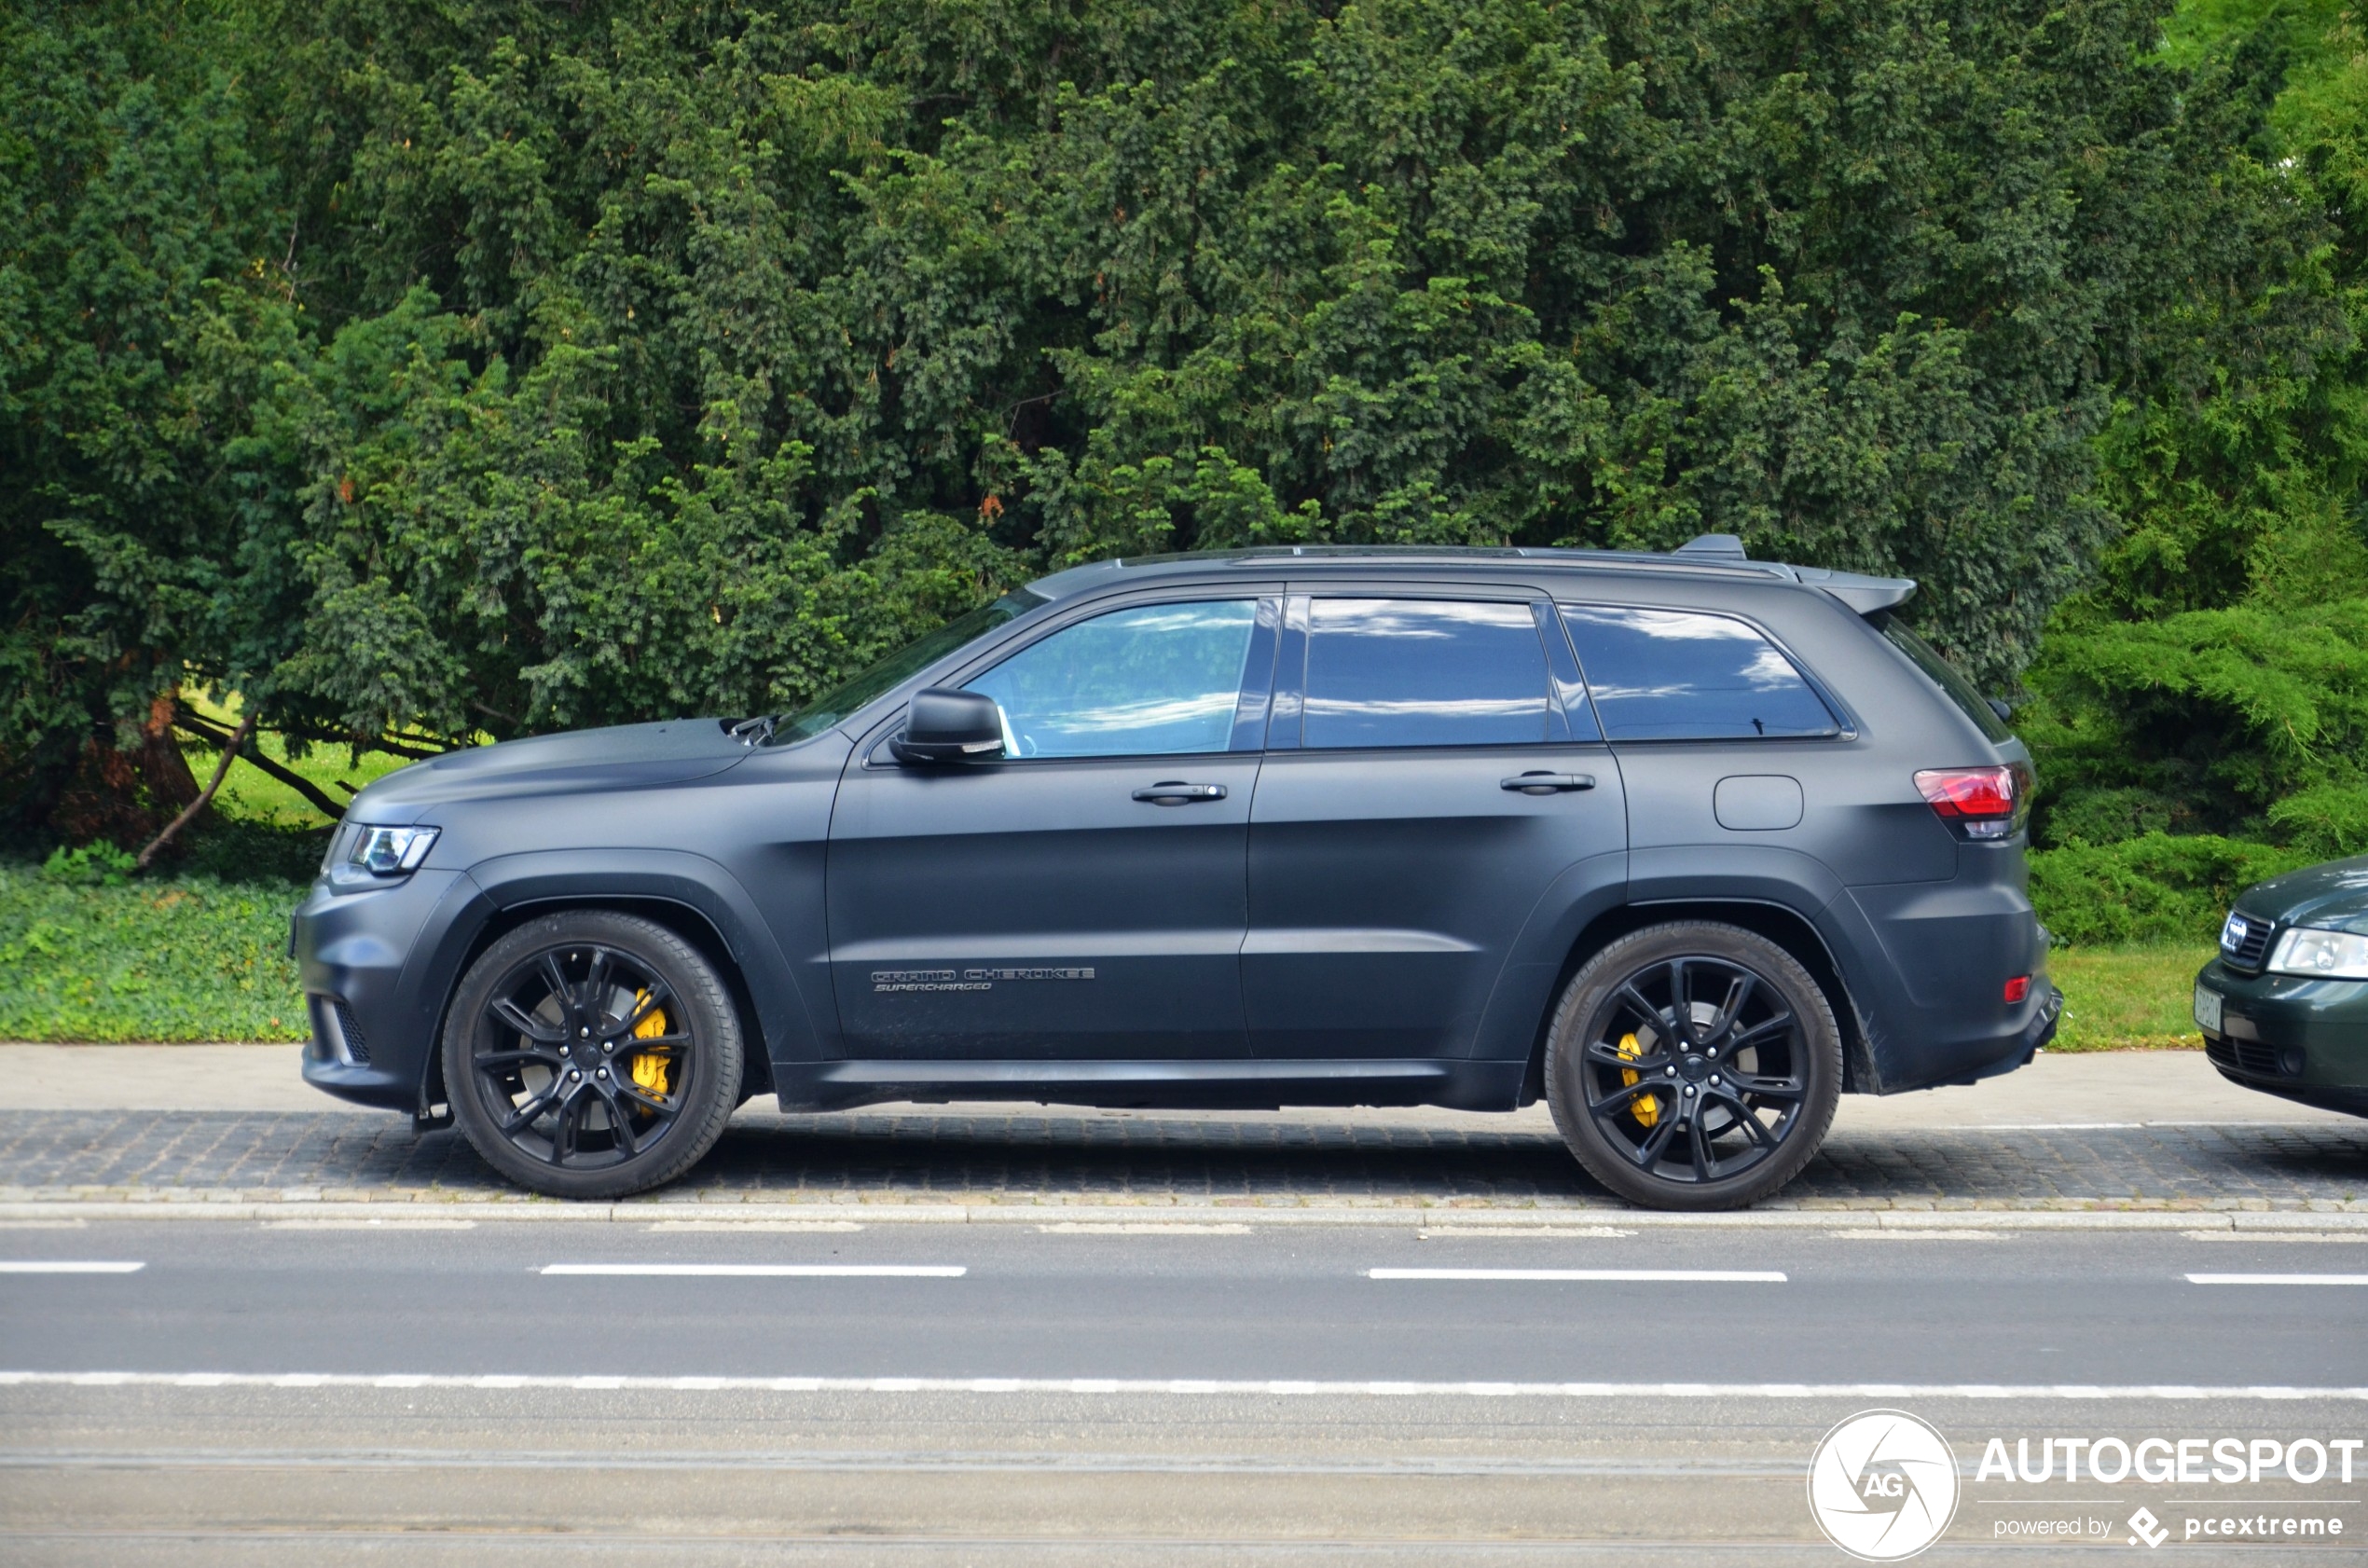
1682	675
1423	672
1156	680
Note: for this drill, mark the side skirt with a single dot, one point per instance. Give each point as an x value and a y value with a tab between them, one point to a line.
1232	1084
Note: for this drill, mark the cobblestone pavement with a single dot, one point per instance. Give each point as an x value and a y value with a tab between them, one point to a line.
1201	1160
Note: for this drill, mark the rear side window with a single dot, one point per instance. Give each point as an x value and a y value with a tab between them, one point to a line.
1423	672
1945	675
1156	680
1684	675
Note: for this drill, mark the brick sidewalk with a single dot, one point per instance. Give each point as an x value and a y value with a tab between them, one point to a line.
1216	1159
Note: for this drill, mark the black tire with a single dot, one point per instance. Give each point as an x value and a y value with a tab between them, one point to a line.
591	1054
1642	1066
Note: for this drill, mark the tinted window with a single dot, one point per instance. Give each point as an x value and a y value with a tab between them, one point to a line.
1162	678
1945	675
1423	672
1680	675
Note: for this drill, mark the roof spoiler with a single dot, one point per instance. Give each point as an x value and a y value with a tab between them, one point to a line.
1867	596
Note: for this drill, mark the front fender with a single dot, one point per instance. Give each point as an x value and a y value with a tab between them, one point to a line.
509	883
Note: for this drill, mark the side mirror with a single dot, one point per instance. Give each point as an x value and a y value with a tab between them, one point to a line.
944	725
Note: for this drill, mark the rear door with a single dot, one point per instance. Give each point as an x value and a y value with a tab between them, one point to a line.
1084	897
1432	770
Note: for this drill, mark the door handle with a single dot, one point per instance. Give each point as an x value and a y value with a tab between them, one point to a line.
1549	783
1175	791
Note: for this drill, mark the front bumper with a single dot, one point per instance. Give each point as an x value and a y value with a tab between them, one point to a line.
356	952
2291	1035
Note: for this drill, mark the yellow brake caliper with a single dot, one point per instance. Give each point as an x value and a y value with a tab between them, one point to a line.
1645	1108
649	1066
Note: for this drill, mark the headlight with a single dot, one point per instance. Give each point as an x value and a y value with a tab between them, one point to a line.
385	851
2320	955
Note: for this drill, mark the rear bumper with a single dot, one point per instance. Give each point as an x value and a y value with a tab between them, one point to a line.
1927	966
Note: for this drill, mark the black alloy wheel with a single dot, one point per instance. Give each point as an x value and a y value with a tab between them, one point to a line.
590	1054
1693	1066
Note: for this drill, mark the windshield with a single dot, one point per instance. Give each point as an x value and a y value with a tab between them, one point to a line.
845	697
1944	675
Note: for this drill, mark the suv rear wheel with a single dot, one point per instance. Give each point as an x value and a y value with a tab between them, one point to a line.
590	1054
1693	1066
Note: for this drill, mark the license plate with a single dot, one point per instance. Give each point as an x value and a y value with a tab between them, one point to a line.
2208	1010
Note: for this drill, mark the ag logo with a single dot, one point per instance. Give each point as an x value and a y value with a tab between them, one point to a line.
1882	1485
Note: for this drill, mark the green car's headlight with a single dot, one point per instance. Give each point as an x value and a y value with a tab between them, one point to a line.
2320	955
387	851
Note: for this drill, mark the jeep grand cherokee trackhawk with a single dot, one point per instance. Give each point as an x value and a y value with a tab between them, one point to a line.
1688	844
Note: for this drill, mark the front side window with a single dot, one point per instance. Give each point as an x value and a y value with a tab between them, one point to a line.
1157	679
1424	672
1684	675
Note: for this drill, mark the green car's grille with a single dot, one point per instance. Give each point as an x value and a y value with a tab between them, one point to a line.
2250	944
2246	1056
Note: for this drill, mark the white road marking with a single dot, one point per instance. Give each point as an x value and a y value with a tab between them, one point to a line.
1311	1386
369	1224
2278	1279
1139	1228
49	1266
1682	1277
1598	1232
837	1226
765	1271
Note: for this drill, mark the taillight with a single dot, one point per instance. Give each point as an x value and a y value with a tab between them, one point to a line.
1980	803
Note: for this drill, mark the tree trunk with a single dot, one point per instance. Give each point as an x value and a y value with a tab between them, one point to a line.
127	796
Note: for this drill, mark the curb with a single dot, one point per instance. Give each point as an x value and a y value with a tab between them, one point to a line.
199	1204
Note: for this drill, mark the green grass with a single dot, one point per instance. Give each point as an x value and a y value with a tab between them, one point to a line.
2124	998
183	958
250	795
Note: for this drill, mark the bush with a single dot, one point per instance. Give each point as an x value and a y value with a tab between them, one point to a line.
98	864
2155	887
196	958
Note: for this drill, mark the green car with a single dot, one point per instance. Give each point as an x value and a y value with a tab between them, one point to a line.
2284	1008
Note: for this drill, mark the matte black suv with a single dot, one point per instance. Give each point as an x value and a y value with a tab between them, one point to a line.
1688	844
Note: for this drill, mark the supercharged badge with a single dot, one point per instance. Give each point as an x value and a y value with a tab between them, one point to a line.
966	980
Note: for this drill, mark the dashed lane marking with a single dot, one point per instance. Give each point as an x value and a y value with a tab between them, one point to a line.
61	1266
764	1270
1650	1276
2278	1279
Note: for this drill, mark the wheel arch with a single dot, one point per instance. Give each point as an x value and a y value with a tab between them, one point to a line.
697	901
685	921
1781	924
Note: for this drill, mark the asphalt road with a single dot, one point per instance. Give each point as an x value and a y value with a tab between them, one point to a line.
1007	1395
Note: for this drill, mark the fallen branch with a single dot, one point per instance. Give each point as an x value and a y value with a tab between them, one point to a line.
205	796
216	736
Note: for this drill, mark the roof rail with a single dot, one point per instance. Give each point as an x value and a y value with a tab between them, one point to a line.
1864	593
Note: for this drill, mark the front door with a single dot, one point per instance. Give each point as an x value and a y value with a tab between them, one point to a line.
1433	770
1082	897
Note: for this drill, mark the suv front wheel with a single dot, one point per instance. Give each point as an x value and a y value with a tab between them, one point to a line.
1693	1066
590	1054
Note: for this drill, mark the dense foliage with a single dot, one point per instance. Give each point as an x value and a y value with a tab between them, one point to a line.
418	372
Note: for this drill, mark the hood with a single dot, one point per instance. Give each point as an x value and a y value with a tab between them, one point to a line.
2333	894
624	757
